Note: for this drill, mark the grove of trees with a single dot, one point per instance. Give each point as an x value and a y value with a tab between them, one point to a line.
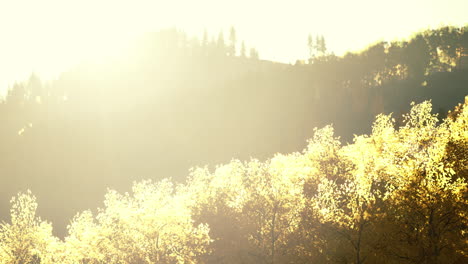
174	101
397	195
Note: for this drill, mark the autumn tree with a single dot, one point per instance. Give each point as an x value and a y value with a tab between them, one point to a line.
27	239
154	225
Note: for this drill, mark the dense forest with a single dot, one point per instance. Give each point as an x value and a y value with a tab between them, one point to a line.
173	102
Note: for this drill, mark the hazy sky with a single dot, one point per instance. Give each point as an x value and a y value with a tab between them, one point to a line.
48	36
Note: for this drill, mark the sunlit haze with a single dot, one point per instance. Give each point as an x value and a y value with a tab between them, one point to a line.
216	131
49	36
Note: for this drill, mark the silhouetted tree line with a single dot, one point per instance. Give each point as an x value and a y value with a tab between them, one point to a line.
172	102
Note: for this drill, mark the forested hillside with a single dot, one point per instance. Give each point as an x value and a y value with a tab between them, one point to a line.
398	195
173	102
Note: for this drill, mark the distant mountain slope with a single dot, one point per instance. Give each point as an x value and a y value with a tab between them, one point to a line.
171	104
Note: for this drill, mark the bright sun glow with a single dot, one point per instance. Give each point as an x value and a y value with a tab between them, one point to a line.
233	131
50	36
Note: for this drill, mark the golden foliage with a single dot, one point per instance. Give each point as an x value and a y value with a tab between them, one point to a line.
397	195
